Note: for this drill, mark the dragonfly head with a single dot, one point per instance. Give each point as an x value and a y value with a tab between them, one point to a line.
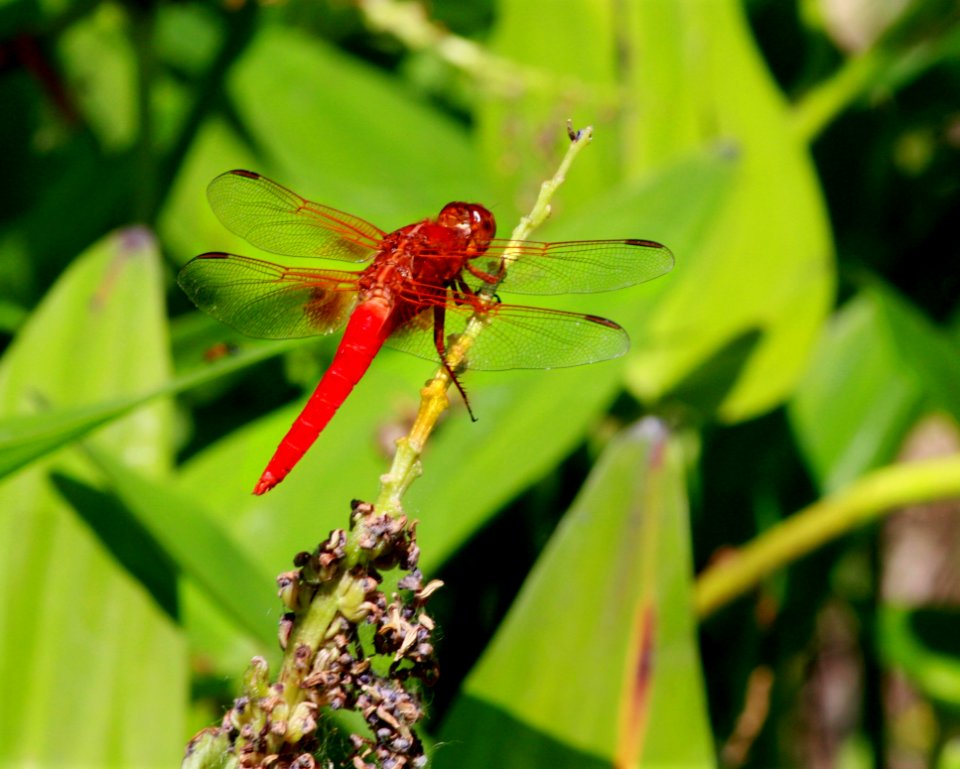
474	223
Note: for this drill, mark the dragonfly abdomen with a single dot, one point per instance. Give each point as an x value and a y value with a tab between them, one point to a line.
369	326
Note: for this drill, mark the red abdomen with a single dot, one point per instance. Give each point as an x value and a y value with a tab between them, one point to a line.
369	326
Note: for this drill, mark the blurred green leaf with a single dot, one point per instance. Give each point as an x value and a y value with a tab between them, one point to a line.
597	657
200	549
28	438
522	133
128	542
927	352
99	61
85	653
341	132
765	265
25	439
855	402
11	316
878	363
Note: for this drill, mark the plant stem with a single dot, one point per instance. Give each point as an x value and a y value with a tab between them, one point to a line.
830	97
408	22
433	398
865	501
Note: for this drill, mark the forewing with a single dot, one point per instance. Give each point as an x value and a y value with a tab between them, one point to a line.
576	266
275	219
517	337
266	300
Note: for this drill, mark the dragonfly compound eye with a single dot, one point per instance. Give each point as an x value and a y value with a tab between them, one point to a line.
474	222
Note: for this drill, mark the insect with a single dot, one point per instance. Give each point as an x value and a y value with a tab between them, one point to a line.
420	285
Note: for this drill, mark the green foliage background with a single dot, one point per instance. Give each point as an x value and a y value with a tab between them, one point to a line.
807	184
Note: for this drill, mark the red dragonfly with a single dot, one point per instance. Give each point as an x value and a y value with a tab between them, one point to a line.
421	284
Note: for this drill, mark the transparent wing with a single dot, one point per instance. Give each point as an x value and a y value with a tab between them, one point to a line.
518	337
266	300
275	219
576	266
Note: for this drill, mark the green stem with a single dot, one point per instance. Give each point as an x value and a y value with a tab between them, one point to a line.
409	23
311	631
865	501
833	95
433	398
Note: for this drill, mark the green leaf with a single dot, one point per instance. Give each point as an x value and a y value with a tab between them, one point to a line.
879	362
765	265
94	672
522	132
928	352
345	134
28	438
185	533
129	542
25	439
851	409
98	55
597	658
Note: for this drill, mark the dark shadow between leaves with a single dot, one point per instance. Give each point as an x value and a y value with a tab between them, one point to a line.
707	386
478	734
936	629
126	540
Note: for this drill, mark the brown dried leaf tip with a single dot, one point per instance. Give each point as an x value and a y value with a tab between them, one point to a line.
345	647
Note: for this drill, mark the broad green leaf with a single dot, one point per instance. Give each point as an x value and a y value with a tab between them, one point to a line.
94	670
928	352
99	58
692	77
596	662
851	408
340	132
25	439
766	265
879	362
127	541
200	549
565	67
186	221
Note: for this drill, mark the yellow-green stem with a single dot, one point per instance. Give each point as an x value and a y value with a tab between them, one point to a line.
433	397
409	23
830	97
866	500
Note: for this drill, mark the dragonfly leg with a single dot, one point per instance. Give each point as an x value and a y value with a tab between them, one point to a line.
439	315
487	277
466	295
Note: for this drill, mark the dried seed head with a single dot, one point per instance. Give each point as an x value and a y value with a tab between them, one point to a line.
289	588
285	628
302	722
